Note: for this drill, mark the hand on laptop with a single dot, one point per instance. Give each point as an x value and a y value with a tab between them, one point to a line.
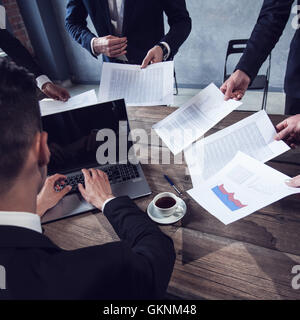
294	183
97	187
289	131
49	196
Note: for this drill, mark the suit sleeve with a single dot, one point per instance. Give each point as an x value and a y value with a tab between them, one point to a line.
267	31
18	53
76	24
180	24
151	260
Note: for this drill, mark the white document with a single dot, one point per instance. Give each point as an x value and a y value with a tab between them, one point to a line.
49	106
194	119
244	186
2	18
253	136
139	87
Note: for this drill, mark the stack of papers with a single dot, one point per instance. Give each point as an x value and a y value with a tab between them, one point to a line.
152	86
243	186
49	106
194	119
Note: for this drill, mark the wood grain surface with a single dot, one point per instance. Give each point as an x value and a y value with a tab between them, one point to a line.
249	259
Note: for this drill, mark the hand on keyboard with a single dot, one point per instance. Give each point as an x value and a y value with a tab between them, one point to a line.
97	187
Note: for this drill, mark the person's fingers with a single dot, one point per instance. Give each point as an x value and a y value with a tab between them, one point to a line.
118	47
94	173
229	90
147	60
118	54
282	134
65	95
282	125
82	191
117	50
57	177
101	174
113	42
87	175
294	183
224	88
64	191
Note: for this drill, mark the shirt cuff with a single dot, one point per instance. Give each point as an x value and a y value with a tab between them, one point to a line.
166	57
92	47
106	202
41	80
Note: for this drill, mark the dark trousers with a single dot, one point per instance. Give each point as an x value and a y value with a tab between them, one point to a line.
292	105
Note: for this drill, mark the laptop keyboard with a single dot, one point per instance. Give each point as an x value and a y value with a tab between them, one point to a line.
116	174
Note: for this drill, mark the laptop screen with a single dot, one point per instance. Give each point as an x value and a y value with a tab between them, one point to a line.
73	135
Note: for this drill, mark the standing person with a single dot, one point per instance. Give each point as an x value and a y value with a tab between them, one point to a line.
19	54
270	25
129	31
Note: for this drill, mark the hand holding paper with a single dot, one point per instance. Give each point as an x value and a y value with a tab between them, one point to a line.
194	119
152	86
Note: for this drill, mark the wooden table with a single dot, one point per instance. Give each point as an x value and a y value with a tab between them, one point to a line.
250	259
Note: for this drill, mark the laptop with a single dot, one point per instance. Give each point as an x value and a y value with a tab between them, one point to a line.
95	136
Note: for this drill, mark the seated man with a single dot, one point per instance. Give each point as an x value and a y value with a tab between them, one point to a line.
137	267
289	131
129	31
19	54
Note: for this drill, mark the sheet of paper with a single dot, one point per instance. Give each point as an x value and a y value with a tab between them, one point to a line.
253	136
194	119
49	106
2	18
139	87
243	186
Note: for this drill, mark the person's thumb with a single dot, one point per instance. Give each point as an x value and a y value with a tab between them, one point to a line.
294	183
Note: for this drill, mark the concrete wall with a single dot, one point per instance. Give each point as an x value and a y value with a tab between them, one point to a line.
201	59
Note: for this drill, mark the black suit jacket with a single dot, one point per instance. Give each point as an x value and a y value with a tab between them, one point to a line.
138	267
18	53
143	24
272	20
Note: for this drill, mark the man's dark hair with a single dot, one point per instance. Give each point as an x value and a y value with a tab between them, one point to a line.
20	120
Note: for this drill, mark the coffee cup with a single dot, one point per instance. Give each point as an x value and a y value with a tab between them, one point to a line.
167	204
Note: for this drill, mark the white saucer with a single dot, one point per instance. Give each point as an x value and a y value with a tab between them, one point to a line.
157	217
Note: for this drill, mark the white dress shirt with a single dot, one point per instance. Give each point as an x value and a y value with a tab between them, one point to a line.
41	80
21	219
116	10
27	220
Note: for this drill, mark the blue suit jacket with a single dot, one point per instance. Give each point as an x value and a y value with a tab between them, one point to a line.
272	20
143	24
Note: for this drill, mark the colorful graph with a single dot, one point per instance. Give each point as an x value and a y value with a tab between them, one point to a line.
228	198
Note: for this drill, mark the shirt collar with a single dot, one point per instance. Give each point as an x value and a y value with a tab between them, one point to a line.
21	219
2	18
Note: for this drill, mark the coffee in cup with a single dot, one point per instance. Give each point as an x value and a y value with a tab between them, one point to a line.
167	204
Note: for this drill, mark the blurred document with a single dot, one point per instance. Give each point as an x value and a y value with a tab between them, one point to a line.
49	106
254	136
194	119
243	186
139	87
